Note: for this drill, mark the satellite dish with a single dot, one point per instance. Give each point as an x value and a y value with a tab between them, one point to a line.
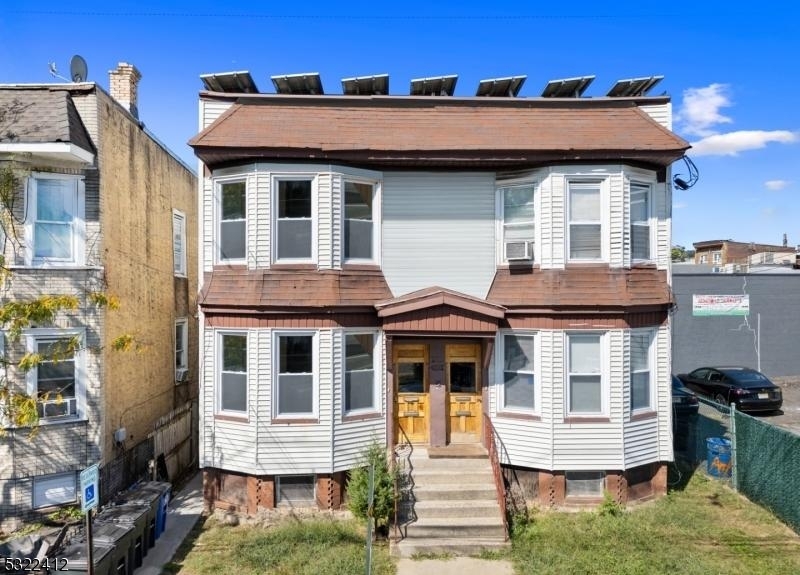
78	69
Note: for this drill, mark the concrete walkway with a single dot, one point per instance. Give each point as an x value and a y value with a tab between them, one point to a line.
454	566
184	511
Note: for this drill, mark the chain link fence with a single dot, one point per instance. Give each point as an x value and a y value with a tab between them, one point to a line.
764	462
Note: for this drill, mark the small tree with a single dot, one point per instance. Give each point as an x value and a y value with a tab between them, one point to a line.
358	487
678	254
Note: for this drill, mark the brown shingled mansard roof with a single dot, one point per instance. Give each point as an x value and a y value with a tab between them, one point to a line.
258	290
41	115
436	131
580	287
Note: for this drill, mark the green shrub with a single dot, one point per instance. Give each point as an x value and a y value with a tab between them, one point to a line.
609	506
358	486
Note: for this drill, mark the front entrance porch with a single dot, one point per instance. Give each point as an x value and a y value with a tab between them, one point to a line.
438	390
439	343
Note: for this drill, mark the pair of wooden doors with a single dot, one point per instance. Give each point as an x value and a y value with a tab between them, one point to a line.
462	391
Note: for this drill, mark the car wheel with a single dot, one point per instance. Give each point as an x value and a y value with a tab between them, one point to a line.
719	398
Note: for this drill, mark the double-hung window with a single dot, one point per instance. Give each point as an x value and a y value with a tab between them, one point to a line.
294	395
360	392
55	225
519	221
233	221
295	232
585	221
181	352
179	243
519	375
585	379
641	386
57	379
640	222
359	225
232	397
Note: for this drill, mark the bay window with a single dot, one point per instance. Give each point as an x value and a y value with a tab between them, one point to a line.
585	221
294	236
294	393
584	378
233	221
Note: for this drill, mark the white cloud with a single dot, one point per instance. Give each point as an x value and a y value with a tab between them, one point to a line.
700	110
776	185
680	205
732	143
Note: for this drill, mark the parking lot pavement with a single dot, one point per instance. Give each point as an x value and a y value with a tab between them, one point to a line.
789	416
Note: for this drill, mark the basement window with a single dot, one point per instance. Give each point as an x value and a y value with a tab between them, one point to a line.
585	483
295	490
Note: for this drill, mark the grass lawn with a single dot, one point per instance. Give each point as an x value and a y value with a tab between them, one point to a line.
310	547
702	528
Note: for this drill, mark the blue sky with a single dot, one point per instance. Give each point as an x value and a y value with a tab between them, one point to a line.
731	69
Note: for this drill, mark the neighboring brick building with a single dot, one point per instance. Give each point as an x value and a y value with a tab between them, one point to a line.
415	268
723	252
102	206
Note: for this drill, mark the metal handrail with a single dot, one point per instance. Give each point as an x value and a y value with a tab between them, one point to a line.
489	437
403	449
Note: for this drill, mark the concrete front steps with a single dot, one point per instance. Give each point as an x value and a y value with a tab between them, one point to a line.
455	505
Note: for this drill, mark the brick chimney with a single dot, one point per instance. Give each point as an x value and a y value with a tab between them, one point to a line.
124	84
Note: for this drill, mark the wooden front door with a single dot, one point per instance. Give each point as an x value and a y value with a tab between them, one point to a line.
463	373
411	374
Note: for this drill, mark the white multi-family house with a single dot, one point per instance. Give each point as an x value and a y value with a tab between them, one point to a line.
417	268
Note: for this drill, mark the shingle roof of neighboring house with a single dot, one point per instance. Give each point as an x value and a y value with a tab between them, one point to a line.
41	116
436	131
582	287
312	288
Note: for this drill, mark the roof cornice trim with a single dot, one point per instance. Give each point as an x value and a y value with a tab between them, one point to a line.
61	150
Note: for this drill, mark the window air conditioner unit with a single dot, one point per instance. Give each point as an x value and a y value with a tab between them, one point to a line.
518	251
181	375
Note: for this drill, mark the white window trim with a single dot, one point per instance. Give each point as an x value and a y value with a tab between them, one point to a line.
78	226
184	345
500	217
377	364
651	220
274	180
604	376
603	183
377	188
276	335
500	372
36	334
218	373
217	183
50	477
181	271
651	365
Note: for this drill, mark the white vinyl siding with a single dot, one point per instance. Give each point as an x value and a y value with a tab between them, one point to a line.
210	110
661	113
56	489
439	230
55	227
179	243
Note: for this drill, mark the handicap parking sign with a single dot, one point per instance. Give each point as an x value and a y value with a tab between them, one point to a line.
90	490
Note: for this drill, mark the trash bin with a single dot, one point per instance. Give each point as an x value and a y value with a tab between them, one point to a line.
162	490
718	458
134	516
73	559
149	500
120	536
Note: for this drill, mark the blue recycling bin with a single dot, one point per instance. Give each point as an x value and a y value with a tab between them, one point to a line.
718	457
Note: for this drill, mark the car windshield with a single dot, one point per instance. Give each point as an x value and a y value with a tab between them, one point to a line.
748	378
